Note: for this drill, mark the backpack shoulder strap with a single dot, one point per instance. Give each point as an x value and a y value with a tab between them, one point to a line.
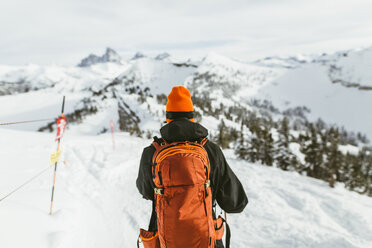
158	144
153	227
204	141
228	235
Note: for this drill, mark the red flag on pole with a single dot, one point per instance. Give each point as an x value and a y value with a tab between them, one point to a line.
61	126
112	133
112	125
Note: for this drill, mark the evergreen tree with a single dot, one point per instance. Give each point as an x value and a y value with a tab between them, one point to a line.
242	147
369	174
267	152
347	170
295	164
255	142
366	169
223	139
313	153
283	155
357	178
334	158
344	169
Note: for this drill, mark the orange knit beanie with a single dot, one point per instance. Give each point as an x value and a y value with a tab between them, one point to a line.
179	104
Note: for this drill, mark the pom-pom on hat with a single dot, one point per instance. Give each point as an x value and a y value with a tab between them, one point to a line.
179	104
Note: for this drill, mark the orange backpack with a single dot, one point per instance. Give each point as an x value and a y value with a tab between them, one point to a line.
183	197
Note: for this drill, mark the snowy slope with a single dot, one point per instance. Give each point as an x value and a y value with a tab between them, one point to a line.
228	81
285	62
311	86
157	75
353	69
97	204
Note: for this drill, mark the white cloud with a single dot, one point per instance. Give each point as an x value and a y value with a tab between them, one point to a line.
51	31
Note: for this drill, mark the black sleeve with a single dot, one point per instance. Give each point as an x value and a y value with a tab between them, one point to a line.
226	187
144	182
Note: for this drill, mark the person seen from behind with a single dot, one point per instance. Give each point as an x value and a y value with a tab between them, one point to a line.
185	175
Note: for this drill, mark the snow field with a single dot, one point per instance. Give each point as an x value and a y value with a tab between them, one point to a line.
97	204
290	210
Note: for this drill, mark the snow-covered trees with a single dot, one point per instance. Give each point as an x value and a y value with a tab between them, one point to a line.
268	142
313	153
283	155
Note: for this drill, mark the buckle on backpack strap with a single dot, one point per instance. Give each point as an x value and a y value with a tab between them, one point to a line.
159	191
208	183
160	141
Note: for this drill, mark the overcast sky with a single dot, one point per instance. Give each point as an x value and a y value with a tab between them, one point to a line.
65	31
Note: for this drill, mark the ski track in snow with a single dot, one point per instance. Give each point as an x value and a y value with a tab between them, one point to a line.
97	204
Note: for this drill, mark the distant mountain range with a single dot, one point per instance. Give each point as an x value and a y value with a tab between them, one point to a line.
335	87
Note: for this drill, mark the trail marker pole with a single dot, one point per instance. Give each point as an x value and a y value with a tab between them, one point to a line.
61	125
112	132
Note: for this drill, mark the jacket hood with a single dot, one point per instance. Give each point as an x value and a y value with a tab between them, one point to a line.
182	129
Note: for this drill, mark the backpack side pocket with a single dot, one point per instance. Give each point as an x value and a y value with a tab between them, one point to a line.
148	239
219	227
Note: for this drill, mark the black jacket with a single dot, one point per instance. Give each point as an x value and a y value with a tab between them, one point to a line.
226	187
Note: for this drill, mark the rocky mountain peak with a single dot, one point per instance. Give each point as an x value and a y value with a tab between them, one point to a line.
138	55
109	56
162	56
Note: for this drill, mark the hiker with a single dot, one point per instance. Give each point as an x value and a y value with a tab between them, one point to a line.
213	181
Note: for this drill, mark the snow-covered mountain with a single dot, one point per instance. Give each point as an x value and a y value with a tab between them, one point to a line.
284	62
333	87
96	184
336	88
352	69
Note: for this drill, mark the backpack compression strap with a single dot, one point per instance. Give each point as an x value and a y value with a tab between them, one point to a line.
228	234
160	143
203	141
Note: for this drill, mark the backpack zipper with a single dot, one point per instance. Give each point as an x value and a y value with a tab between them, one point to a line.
205	205
175	144
160	179
165	153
